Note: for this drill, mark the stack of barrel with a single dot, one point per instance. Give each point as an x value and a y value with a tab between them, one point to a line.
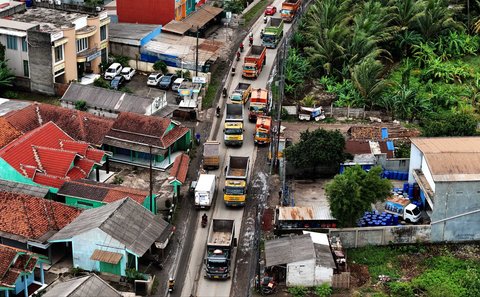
375	218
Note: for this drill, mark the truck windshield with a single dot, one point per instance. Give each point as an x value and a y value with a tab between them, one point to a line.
269	38
249	68
219	264
285	11
416	211
234	191
261	135
233	131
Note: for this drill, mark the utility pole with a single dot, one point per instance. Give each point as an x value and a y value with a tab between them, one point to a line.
152	206
196	57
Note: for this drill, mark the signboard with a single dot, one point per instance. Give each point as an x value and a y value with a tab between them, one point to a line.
184	92
199	80
56	36
94	56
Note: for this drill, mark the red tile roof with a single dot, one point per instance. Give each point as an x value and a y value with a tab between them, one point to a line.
14	261
32	217
180	168
78	124
7	132
146	130
41	149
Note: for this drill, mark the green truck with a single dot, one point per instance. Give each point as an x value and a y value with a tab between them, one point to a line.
273	33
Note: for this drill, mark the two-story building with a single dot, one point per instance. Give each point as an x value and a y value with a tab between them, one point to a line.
45	47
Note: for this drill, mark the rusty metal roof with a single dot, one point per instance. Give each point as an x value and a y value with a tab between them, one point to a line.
447	144
304	213
197	19
106	256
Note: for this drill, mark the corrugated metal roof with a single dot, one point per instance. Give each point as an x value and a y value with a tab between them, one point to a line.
14	187
106	256
198	18
447	144
304	213
125	220
90	285
129	33
287	250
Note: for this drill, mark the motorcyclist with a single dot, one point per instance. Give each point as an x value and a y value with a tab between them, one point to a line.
251	35
171	284
265	19
250	39
241	47
261	34
204	218
238	56
218	112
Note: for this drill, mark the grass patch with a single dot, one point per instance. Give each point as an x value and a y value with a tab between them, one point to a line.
380	260
211	93
21	95
255	12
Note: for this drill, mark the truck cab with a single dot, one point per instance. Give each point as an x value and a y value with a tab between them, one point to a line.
235	192
403	208
233	133
263	130
217	264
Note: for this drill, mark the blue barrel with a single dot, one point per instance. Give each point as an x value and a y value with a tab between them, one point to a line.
395	175
384	213
395	219
410	192
405	187
405	176
28	3
386	174
384	224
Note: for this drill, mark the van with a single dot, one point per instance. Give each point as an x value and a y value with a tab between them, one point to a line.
113	71
177	83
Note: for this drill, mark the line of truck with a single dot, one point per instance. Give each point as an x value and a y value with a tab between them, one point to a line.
273	33
290	9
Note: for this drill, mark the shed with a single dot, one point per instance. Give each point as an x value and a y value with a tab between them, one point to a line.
89	285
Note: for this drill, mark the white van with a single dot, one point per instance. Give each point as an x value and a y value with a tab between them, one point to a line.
177	83
113	71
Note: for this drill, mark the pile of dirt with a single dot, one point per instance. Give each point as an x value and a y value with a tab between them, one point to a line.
359	274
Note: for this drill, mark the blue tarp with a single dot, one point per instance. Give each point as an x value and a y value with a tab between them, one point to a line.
384	133
390	145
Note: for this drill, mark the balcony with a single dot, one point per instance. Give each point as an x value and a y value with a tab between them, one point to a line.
85	32
84	55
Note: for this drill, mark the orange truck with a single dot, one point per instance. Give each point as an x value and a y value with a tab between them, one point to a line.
263	129
258	104
289	9
254	61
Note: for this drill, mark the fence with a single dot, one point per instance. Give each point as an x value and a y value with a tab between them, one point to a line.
359	237
341	281
346	112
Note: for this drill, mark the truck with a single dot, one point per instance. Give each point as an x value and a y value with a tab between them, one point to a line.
402	207
254	61
289	9
273	33
211	155
258	104
220	244
311	113
263	130
233	129
205	190
236	180
241	94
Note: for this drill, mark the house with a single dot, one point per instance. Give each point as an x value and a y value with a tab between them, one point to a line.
109	103
178	173
27	222
447	170
89	285
111	238
302	260
153	11
21	188
46	47
89	194
17	275
134	138
48	156
80	125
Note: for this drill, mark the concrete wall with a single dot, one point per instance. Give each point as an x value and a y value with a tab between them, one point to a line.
301	273
400	164
120	49
84	244
70	53
358	237
41	65
453	199
94	42
428	174
323	275
15	57
20	283
415	162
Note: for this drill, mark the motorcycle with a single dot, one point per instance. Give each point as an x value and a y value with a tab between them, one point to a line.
224	92
218	112
171	285
250	41
204	221
265	20
238	56
241	47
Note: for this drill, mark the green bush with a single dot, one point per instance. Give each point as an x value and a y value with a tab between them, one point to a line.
10	95
160	66
400	289
117	180
81	105
102	83
126	90
123	60
324	290
298	291
132	274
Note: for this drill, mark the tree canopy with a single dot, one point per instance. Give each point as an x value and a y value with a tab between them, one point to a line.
351	194
450	124
318	147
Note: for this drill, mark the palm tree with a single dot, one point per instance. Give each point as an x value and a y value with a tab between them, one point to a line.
436	19
407	12
366	77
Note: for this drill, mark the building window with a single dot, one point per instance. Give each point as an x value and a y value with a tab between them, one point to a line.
26	72
82	44
24	44
103	32
59	53
12	42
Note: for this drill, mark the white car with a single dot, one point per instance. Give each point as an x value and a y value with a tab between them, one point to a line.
154	79
113	71
128	73
177	83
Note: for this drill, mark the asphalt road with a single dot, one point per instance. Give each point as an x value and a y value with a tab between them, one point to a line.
194	283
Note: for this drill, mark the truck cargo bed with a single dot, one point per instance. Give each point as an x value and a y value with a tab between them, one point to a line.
236	172
221	238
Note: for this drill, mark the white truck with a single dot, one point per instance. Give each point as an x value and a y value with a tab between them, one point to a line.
402	207
205	190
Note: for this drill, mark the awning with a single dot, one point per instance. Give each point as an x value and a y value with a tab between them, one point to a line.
199	18
107	257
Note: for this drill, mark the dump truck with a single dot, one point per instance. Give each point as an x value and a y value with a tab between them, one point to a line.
236	181
205	190
233	129
241	94
254	61
402	207
258	104
273	33
211	155
289	9
263	130
220	244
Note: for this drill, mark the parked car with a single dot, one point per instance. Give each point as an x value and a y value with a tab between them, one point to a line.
270	10
128	73
177	83
113	71
154	79
117	82
166	81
